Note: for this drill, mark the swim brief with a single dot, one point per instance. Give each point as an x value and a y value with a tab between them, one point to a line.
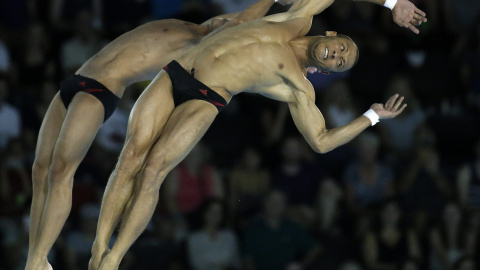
186	87
77	83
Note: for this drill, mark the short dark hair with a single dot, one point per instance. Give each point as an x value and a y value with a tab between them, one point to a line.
358	51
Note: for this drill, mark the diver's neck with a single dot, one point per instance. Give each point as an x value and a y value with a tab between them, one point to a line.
300	48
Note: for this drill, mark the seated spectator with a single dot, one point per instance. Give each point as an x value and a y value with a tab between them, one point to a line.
295	175
423	185
472	245
35	63
62	13
15	185
368	180
338	102
213	248
470	68
298	176
350	265
249	182
13	244
465	263
468	181
79	242
157	248
83	45
273	242
448	239
419	224
4	57
111	136
10	120
334	240
192	182
387	247
48	91
398	133
410	264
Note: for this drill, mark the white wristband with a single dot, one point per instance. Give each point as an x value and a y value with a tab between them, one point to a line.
372	115
390	3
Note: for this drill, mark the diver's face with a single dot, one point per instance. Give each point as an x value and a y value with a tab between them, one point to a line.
333	53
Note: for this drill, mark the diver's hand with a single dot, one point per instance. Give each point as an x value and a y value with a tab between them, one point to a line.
406	14
391	109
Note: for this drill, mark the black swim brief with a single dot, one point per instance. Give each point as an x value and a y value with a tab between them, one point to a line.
77	83
186	87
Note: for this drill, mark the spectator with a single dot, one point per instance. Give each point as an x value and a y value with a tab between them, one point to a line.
398	134
465	263
158	249
249	182
295	175
273	242
410	264
334	240
338	102
13	244
10	120
350	265
79	242
35	62
423	184
339	109
213	248
387	247
15	187
111	135
47	93
472	229
367	180
192	182
4	58
83	45
448	239
468	181
63	13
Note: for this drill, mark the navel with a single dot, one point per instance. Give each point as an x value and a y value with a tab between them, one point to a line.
280	66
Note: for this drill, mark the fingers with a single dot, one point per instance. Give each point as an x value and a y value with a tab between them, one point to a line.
397	105
390	102
413	28
401	109
421	13
418	18
416	22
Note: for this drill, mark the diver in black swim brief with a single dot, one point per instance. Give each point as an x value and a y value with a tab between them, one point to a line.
186	87
77	83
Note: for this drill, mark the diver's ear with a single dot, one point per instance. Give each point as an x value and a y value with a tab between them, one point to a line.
312	70
331	33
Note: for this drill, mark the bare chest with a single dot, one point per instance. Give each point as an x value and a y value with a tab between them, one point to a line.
250	68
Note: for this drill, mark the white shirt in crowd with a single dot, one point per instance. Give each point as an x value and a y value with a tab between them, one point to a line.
207	253
10	124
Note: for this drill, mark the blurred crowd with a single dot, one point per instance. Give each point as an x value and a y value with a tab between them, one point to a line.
404	195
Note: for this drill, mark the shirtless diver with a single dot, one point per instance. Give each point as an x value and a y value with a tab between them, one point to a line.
89	98
268	56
